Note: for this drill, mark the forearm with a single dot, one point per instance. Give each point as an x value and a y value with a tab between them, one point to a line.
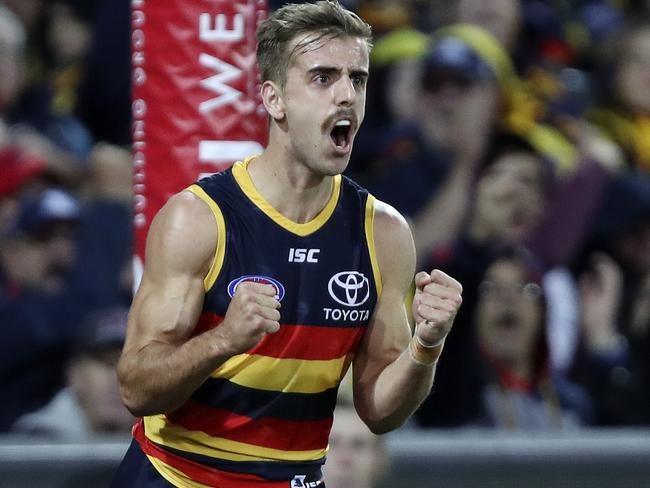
159	378
397	392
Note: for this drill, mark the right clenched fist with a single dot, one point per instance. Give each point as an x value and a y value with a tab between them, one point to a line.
252	313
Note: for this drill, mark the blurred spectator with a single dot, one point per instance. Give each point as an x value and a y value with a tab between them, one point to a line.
626	114
12	45
458	96
509	198
24	138
57	264
59	43
90	403
614	362
520	392
357	458
502	18
39	247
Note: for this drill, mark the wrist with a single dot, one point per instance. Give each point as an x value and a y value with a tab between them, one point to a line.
425	355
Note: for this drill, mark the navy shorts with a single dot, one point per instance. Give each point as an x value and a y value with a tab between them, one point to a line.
136	471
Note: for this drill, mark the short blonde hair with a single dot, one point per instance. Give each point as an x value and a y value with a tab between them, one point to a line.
325	18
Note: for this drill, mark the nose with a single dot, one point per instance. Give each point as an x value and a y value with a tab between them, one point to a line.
345	92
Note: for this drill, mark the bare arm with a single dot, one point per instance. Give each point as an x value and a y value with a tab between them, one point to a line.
161	366
393	372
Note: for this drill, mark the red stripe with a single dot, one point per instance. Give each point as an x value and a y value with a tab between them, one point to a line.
198	472
309	342
286	435
207	321
297	341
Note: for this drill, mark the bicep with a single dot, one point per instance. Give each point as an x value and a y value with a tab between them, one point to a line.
388	332
180	248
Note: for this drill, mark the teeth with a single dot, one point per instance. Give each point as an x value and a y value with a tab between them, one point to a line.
343	123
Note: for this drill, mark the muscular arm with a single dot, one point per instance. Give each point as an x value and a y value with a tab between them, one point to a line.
389	384
161	366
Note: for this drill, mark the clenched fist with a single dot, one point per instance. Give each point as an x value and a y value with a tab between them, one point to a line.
252	313
437	299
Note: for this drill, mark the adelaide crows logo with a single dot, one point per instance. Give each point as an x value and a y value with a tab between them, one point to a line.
263	280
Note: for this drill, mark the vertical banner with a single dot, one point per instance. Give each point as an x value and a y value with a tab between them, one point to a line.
196	96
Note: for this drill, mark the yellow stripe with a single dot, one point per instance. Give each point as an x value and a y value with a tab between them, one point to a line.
161	431
175	476
370	239
285	375
220	252
240	172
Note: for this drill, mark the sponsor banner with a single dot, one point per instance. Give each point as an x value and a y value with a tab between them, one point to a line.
196	100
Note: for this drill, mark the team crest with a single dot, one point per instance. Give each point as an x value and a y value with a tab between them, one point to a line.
263	280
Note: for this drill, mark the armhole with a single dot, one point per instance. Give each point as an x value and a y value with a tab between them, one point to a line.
220	251
370	240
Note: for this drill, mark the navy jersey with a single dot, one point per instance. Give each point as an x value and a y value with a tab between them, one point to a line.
266	414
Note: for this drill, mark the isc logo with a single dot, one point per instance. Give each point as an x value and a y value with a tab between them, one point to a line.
297	255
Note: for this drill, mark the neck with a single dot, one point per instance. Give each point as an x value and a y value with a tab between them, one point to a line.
288	184
511	370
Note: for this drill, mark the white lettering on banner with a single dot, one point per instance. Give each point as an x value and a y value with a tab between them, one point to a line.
137	39
217	83
227	151
139	110
337	314
220	32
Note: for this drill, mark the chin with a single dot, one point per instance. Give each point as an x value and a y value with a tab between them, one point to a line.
334	165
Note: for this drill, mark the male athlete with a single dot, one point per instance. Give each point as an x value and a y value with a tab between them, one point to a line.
265	282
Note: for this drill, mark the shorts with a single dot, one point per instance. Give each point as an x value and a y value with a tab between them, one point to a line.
136	471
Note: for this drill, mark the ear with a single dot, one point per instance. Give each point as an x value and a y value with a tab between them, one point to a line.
272	98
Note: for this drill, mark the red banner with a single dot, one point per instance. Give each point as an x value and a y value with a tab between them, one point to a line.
196	96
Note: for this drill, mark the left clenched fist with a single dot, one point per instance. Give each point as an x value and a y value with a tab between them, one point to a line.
437	299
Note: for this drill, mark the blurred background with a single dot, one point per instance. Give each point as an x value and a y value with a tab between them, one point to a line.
515	137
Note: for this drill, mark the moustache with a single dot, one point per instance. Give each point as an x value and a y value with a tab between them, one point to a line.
340	114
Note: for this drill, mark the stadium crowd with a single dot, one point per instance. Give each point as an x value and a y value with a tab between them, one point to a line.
514	135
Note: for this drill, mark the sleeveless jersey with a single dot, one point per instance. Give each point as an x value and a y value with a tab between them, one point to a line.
264	416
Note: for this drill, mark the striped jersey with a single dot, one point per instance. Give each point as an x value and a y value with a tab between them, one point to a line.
263	417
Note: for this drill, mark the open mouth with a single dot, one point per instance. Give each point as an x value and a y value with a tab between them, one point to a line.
508	321
341	135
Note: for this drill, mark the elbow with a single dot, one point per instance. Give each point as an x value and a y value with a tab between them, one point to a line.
133	404
131	396
380	425
383	426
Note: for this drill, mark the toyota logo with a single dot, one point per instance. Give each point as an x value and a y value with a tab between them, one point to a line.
349	288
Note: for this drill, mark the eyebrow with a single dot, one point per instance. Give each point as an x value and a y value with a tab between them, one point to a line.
332	70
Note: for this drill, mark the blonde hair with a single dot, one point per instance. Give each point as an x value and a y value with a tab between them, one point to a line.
327	19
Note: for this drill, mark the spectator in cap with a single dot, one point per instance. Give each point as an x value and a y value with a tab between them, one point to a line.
90	403
460	100
58	263
37	252
458	95
39	246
